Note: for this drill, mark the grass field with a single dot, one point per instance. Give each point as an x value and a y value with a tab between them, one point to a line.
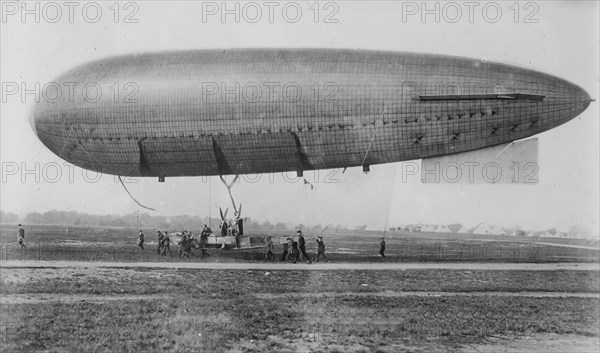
98	309
286	311
54	243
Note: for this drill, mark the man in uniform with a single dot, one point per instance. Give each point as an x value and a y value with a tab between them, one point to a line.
204	238
269	251
141	240
320	249
302	247
183	243
206	230
230	229
382	247
295	251
285	253
21	236
160	237
166	245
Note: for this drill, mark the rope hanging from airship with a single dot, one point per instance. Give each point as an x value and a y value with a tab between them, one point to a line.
373	138
133	198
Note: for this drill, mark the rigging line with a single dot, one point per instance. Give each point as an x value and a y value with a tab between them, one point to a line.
373	138
386	223
83	148
65	144
133	198
504	149
89	157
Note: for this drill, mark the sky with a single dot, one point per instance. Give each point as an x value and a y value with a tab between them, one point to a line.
554	37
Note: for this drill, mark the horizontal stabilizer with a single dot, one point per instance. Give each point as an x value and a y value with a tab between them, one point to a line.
471	97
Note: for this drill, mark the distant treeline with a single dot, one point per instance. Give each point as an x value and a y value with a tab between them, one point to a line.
137	220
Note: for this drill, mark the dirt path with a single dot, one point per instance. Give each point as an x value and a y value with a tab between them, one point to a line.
539	342
5	265
39	298
569	246
392	294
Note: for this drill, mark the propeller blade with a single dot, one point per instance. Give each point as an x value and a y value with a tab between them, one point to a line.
221	212
240	211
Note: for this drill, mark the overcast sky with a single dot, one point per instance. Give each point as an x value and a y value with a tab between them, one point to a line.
559	38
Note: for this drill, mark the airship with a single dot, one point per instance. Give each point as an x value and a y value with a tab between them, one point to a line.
246	111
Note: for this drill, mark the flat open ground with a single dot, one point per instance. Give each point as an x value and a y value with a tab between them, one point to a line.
433	293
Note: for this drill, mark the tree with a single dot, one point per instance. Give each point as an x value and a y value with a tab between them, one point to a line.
280	226
8	217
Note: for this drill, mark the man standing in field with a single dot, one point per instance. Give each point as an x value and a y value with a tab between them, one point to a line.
302	247
183	243
160	239
295	251
166	245
21	236
269	251
186	244
206	230
141	240
204	239
320	249
285	253
382	247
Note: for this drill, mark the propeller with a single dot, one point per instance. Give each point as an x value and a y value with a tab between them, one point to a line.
223	215
236	211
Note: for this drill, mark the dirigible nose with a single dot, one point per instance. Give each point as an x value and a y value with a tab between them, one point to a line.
563	101
45	120
583	97
573	94
576	100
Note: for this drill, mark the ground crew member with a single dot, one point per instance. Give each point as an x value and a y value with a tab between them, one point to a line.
320	249
141	240
382	247
269	251
206	230
204	239
302	247
295	251
166	245
286	246
21	236
233	226
188	248
160	237
183	244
